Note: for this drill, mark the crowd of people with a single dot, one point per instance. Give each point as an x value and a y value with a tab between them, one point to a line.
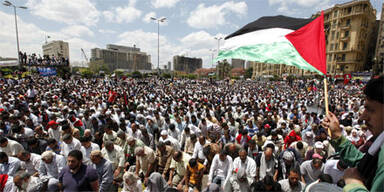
110	134
46	60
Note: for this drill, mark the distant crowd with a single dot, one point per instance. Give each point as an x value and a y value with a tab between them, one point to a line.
46	60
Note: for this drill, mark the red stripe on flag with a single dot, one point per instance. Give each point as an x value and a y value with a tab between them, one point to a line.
309	41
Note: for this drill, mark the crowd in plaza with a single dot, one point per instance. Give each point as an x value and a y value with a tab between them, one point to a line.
110	134
46	60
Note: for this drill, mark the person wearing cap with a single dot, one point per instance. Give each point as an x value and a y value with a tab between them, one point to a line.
104	170
53	130
311	169
166	138
318	149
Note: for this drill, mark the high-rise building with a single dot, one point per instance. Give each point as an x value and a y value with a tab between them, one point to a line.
378	67
238	63
349	28
56	49
186	64
122	57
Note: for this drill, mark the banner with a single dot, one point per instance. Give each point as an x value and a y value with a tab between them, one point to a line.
47	71
9	63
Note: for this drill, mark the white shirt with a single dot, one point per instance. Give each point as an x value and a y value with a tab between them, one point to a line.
331	169
87	153
55	134
74	145
11	167
32	166
13	148
198	152
116	157
220	168
52	169
249	166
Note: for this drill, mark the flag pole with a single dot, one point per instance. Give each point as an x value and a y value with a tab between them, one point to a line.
326	101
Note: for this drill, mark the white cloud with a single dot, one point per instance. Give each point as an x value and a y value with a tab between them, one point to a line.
294	6
147	17
198	39
77	31
164	3
125	14
106	31
214	16
68	11
378	15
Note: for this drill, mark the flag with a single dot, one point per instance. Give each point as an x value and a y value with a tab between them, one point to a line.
280	40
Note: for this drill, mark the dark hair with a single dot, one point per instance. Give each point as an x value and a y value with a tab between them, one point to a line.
3	140
342	164
51	141
177	154
374	89
192	162
76	154
270	145
160	144
3	155
32	141
268	180
85	139
325	178
295	169
65	127
299	145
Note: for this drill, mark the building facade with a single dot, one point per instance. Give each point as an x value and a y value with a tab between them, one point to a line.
56	49
378	67
349	29
186	64
122	57
238	63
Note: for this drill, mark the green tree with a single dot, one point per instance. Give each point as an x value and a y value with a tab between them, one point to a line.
137	74
224	69
166	75
248	73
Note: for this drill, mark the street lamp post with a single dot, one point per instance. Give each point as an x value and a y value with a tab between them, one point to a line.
9	4
218	51
162	19
212	52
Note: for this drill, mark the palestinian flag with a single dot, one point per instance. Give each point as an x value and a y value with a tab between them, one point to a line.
280	40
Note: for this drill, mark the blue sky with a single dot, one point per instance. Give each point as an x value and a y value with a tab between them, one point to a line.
189	30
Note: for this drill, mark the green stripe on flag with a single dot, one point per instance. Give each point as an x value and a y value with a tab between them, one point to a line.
282	52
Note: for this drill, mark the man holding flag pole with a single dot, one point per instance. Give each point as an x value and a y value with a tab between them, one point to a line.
301	43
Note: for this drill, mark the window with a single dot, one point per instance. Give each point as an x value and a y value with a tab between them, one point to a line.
345	45
349	10
331	47
337	47
346	33
333	35
335	14
343	57
348	22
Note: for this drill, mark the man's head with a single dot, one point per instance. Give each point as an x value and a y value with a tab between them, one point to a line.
268	152
74	160
3	157
202	140
223	155
96	156
85	141
21	180
109	146
161	146
3	142
294	177
341	165
193	163
139	151
47	157
177	156
24	156
67	138
374	105
317	162
243	155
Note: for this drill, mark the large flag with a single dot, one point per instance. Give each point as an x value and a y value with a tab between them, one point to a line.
280	40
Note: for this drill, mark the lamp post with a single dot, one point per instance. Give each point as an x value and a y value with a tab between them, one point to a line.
218	51
9	4
162	19
212	52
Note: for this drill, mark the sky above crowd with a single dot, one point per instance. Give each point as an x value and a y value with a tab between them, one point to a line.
190	27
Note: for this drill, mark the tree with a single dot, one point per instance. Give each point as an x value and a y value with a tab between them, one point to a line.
224	69
137	74
166	75
248	73
86	72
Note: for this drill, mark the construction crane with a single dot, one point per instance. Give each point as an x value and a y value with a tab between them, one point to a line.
84	55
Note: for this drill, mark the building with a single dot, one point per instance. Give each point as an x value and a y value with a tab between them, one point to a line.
379	52
349	28
186	64
56	49
238	63
122	57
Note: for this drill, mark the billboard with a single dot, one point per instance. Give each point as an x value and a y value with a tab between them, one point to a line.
47	71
